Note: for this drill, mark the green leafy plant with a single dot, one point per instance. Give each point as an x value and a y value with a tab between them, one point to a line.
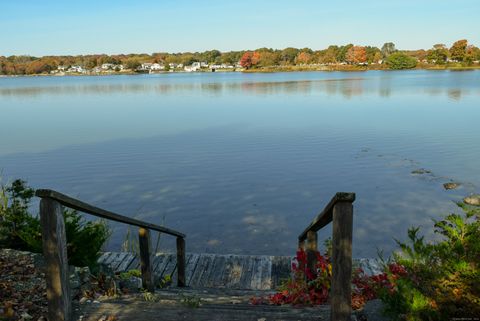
165	281
441	279
190	301
18	229
21	230
399	60
127	275
149	297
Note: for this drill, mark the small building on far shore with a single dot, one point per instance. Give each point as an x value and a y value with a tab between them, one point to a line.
108	66
157	66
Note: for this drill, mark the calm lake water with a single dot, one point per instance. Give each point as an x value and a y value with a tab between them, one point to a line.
243	162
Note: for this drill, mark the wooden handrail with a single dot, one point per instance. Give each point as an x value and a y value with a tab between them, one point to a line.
325	216
54	244
90	209
339	211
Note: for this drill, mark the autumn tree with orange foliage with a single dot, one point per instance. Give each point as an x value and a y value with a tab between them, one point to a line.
356	55
246	60
303	58
256	58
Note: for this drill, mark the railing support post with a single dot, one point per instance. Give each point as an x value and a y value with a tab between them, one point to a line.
342	261
301	245
181	262
312	248
54	242
145	261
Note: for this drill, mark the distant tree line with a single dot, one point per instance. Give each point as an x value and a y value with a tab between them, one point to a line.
388	55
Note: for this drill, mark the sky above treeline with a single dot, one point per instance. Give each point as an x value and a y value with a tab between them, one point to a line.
51	27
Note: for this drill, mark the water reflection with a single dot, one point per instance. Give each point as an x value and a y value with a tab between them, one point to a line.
347	87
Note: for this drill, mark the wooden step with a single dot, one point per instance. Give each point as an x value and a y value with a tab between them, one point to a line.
170	305
250	272
228	271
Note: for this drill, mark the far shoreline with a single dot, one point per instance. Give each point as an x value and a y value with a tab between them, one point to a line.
338	68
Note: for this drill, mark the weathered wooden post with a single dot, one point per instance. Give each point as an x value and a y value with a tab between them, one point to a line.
145	261
312	247
301	245
181	262
342	261
55	254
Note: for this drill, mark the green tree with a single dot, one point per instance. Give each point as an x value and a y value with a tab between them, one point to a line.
211	56
188	58
328	56
388	48
231	57
132	64
342	53
400	60
288	55
458	51
91	63
439	54
373	54
473	54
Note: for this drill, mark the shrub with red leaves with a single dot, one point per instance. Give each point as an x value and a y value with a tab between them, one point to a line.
366	288
309	288
306	287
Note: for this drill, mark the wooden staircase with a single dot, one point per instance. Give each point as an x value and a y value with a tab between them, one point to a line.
199	273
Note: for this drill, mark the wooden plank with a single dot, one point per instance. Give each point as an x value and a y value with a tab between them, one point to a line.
90	209
108	261
246	278
266	278
191	266
156	262
216	273
175	275
239	264
104	256
204	263
233	271
54	243
276	268
342	261
126	262
170	266
181	263
281	270
121	257
134	265
256	279
198	271
162	263
145	259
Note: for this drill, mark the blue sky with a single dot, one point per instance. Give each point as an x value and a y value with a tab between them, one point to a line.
51	27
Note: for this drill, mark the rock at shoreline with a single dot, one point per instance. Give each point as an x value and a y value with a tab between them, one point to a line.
451	185
472	200
421	171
